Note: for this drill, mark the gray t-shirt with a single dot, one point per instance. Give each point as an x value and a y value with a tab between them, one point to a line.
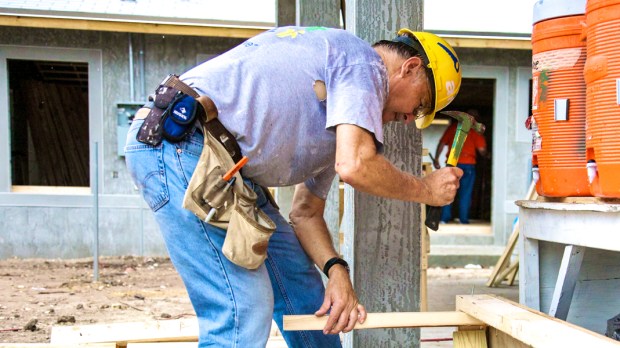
263	90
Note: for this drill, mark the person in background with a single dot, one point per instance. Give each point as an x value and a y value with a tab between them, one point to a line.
475	143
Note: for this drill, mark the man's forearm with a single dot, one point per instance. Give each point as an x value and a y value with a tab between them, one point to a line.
314	238
377	176
359	165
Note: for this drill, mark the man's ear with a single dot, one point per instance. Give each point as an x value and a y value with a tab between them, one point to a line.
411	65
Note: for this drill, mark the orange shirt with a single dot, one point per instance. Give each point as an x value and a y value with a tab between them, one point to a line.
468	153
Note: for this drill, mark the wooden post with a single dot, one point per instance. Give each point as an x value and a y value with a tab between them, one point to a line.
567	278
470	339
382	239
504	261
425	244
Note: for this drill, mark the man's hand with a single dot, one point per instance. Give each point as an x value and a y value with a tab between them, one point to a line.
441	186
341	303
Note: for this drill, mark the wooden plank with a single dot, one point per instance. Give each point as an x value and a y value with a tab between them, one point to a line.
611	206
162	345
579	200
565	284
524	44
529	278
504	260
529	326
425	244
498	339
504	274
64	345
512	276
182	330
387	320
57	190
470	339
131	27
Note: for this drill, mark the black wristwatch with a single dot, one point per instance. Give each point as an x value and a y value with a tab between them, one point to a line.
335	261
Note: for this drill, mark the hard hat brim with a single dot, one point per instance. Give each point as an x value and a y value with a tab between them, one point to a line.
425	121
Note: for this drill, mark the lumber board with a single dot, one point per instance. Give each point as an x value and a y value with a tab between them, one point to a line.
566	282
274	342
505	273
50	345
128	27
161	345
470	339
504	261
498	275
387	320
513	275
499	339
529	326
180	330
579	200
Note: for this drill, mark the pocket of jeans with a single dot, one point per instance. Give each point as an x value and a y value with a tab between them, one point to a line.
146	167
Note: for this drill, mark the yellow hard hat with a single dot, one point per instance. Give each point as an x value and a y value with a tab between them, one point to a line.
442	63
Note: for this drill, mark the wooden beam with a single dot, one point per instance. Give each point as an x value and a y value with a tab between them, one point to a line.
529	326
182	330
466	42
387	320
130	27
529	278
162	345
504	260
49	345
61	190
498	339
504	274
470	339
567	279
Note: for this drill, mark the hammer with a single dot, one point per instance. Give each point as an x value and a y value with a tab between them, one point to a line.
466	122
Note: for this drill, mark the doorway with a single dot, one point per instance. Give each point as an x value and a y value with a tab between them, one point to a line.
477	94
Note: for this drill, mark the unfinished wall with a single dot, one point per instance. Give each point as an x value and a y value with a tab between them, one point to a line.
52	225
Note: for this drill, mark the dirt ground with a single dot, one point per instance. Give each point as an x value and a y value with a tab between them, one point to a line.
38	294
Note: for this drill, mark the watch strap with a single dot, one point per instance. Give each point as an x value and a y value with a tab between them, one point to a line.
334	261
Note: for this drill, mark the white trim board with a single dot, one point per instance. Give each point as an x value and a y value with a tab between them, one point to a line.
93	58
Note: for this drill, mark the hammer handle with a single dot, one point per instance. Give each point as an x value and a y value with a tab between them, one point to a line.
433	214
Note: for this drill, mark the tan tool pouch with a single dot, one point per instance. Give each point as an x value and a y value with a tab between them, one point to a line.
248	228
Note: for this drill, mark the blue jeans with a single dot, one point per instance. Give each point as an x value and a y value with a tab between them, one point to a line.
464	194
234	305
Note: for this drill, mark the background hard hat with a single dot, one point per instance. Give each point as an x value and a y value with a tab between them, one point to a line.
444	66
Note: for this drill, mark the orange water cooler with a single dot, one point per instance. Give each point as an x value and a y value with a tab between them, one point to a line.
602	76
559	99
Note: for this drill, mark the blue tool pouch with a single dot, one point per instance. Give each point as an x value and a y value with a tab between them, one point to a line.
179	118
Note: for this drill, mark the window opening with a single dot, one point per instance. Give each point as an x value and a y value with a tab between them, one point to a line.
49	123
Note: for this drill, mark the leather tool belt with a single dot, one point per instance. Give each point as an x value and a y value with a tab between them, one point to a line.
171	116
